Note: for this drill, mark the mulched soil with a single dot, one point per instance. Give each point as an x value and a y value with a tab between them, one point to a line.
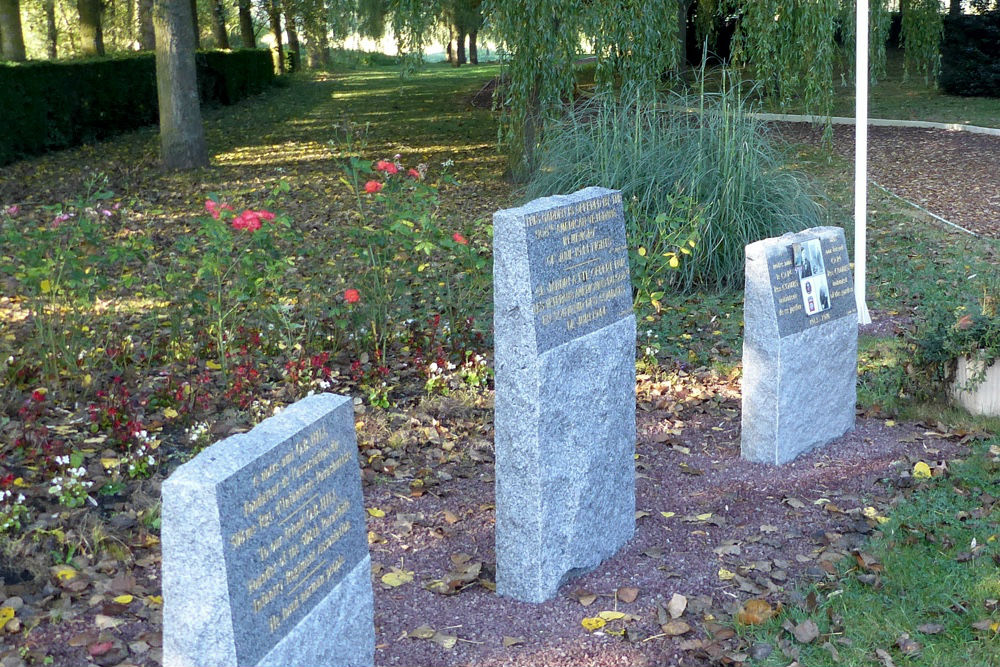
950	173
773	528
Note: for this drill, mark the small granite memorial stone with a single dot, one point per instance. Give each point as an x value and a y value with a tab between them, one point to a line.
265	551
800	345
565	390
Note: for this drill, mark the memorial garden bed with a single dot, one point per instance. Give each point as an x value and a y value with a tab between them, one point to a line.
88	577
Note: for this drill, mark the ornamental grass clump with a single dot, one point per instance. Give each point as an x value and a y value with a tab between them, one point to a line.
698	174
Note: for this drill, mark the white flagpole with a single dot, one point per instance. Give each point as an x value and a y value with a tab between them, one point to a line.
861	161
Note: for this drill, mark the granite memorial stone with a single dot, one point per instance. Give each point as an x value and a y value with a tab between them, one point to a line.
800	345
265	551
565	390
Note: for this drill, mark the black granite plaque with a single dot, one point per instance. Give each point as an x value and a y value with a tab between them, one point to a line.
578	260
810	289
293	526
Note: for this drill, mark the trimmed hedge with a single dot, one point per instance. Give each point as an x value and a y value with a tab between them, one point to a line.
53	105
970	55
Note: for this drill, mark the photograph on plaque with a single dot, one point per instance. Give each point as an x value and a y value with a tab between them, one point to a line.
807	258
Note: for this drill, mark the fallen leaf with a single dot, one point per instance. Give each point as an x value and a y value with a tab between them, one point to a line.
793	502
930	628
124	599
512	641
397	577
907	646
725	574
450	517
755	612
806	631
675	627
444	640
376	512
170	413
99	648
678	603
611	615
627	594
667	515
422	632
884	656
921	470
704	517
586	598
592	623
154	599
639	514
867	561
64	572
6	613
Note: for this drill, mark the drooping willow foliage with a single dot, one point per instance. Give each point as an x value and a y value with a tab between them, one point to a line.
921	32
789	46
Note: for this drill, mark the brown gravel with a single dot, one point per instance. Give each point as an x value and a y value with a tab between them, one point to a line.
952	174
769	514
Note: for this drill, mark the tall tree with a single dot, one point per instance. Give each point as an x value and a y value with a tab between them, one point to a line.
147	37
219	31
51	32
274	15
182	135
246	25
294	49
11	34
194	24
91	32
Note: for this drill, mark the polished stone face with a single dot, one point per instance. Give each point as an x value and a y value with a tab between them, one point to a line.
262	533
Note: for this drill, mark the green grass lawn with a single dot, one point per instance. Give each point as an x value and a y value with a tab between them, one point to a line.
896	97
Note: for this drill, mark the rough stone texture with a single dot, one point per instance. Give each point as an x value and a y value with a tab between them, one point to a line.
799	391
207	615
565	429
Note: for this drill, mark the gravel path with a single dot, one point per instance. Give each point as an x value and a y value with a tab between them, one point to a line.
951	174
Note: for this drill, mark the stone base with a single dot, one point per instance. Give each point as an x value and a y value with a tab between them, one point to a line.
799	392
977	389
565	461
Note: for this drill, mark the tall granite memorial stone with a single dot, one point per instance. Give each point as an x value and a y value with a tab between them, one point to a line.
565	390
800	345
265	551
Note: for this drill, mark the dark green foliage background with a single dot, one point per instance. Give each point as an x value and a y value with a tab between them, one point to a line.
970	55
54	105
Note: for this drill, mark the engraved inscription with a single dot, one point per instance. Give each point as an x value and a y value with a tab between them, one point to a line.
835	292
291	535
579	265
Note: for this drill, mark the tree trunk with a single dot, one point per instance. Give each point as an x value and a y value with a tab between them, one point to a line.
473	48
194	24
294	50
682	33
91	35
51	32
450	50
182	135
147	39
219	25
274	13
955	9
460	49
11	34
246	26
319	46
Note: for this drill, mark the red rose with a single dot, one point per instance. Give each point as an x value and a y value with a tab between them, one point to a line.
459	239
352	295
371	187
